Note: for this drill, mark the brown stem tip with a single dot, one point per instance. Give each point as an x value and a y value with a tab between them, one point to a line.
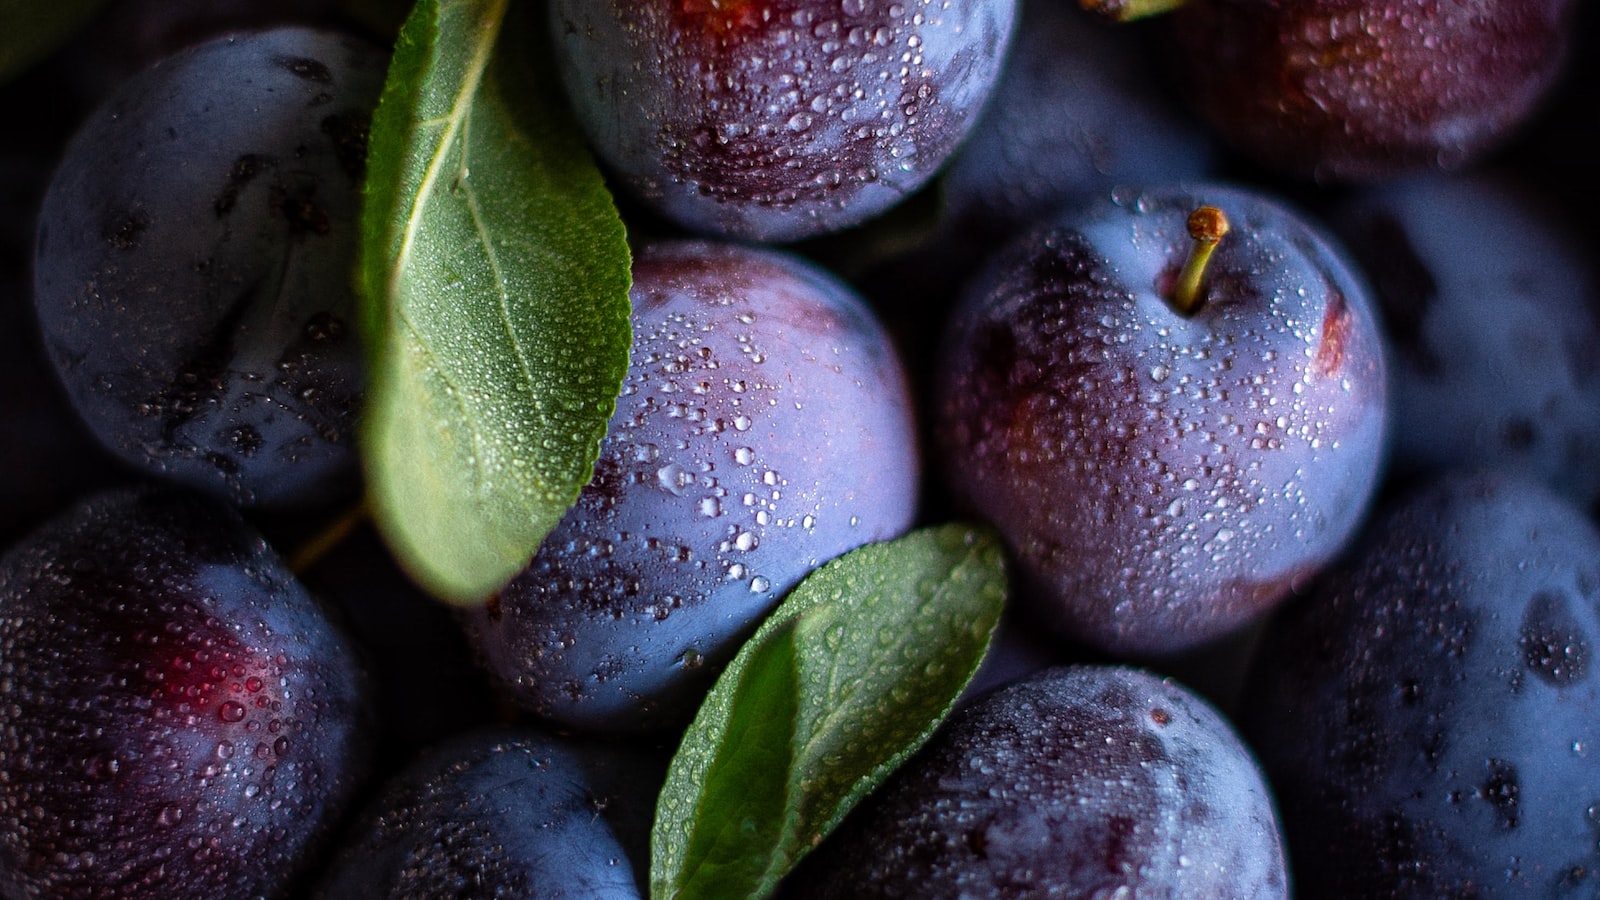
1207	226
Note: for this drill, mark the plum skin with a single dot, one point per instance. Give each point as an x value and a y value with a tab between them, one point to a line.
764	427
1074	781
1164	480
1362	91
193	265
775	120
506	812
1427	714
178	717
1494	328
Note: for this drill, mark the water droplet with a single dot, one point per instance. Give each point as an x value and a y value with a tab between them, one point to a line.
673	478
231	711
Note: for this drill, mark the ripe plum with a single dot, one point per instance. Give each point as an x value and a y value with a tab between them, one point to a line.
779	119
1428	712
194	264
1358	90
506	813
1493	313
764	428
178	717
1088	781
1164	478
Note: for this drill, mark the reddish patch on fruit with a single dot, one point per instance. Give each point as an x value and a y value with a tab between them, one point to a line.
1335	335
722	17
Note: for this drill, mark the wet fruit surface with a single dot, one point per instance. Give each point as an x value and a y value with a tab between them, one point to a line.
763	429
506	813
1361	91
778	119
1164	479
1428	715
1077	781
178	718
191	271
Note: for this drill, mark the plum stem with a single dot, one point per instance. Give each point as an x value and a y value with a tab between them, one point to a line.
1128	10
1207	225
332	535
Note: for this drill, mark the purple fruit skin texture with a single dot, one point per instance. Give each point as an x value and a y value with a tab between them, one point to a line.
1164	480
1491	305
1077	781
1429	714
775	120
506	813
764	427
178	718
1078	110
1360	90
193	258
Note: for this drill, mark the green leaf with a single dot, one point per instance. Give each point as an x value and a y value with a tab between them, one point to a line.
495	276
34	28
848	677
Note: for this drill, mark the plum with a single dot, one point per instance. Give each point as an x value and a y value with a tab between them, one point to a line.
1492	308
1427	712
779	119
764	427
513	813
178	717
1083	781
193	267
1364	90
1164	475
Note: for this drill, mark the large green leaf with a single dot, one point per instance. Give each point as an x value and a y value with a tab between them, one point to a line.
850	675
34	28
495	276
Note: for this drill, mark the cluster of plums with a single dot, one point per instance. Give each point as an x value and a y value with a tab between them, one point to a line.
1276	373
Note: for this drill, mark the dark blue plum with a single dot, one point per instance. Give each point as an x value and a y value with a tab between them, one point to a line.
506	814
1087	781
764	427
178	717
1492	308
778	119
1080	108
1163	478
193	267
1430	713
